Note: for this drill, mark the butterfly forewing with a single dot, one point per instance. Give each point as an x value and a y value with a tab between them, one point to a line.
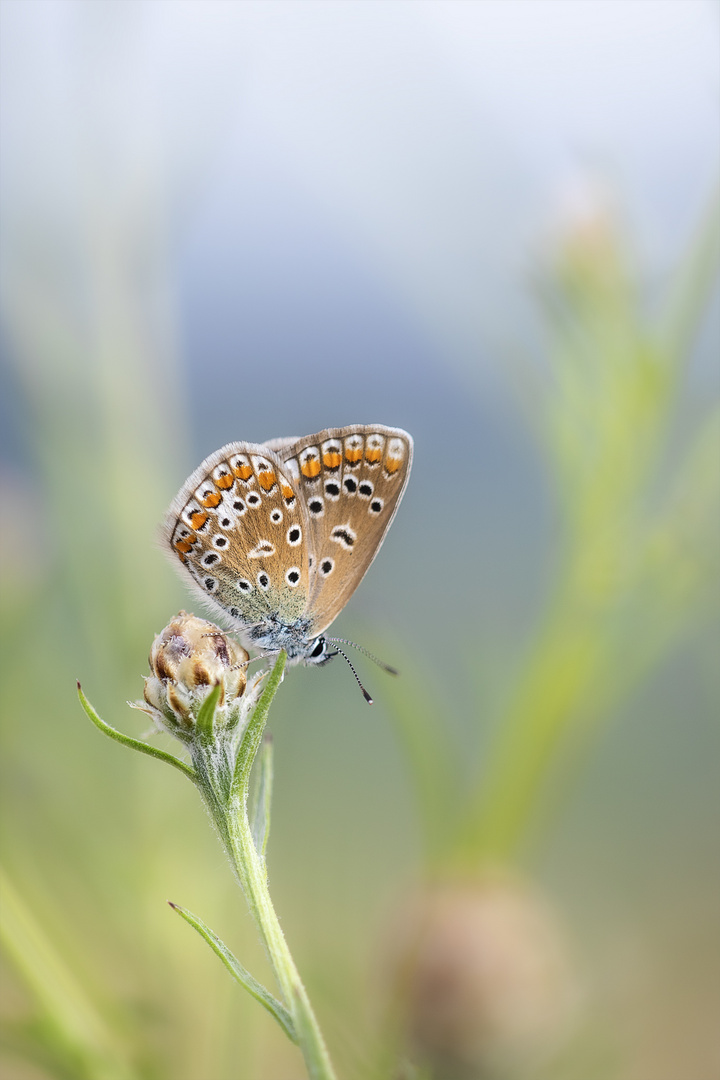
241	532
350	481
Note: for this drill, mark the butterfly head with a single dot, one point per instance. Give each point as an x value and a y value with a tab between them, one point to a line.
319	652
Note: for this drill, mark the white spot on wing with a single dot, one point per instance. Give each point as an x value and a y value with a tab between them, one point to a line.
262	550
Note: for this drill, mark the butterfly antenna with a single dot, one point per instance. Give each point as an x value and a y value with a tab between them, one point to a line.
357	677
366	652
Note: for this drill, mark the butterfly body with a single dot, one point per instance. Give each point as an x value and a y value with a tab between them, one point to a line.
277	536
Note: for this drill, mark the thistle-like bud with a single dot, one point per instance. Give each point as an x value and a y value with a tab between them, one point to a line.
188	658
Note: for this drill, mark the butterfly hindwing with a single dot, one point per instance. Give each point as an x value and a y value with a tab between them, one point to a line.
350	481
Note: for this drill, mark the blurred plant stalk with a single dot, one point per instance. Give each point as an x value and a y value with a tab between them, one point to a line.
89	320
481	983
76	1038
635	560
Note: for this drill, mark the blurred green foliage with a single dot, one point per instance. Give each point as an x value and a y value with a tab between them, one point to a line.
637	562
637	555
102	981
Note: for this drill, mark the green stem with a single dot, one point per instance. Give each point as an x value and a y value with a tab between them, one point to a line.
251	872
230	814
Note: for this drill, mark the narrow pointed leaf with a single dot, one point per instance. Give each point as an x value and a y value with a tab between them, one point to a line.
134	744
256	725
253	987
206	714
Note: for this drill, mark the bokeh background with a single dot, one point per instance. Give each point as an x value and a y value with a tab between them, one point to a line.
494	224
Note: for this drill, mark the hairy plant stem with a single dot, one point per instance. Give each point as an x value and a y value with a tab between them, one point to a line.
224	788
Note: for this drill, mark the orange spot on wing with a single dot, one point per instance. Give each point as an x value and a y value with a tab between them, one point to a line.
266	480
311	468
181	557
332	459
393	464
373	455
353	455
243	472
287	492
224	482
185	545
198	519
211	501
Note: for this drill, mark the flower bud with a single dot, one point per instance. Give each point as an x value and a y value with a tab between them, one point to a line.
482	977
188	658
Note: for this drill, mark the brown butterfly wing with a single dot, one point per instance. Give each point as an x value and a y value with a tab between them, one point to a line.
240	533
351	481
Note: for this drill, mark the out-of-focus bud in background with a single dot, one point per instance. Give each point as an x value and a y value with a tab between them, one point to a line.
483	979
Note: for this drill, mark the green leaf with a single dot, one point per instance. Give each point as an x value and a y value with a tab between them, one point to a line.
253	987
206	714
262	798
254	731
134	744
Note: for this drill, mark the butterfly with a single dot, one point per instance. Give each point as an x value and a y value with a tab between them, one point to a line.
277	536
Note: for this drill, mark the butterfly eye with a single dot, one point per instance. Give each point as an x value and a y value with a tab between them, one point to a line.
319	648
